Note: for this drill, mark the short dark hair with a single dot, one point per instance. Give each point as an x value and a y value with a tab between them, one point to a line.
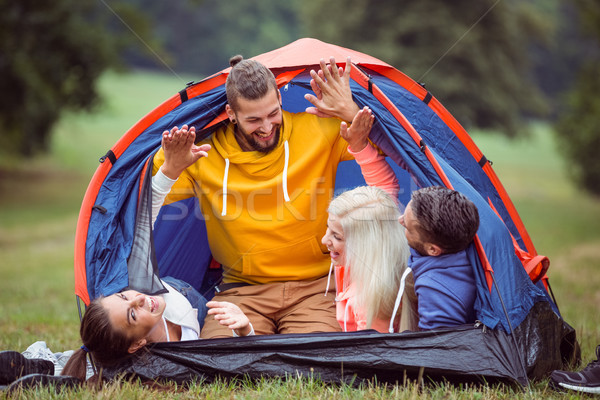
445	217
248	79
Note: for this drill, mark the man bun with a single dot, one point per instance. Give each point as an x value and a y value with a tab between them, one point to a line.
235	59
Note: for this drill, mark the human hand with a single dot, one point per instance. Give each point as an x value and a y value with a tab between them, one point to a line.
356	135
230	315
333	97
318	96
180	150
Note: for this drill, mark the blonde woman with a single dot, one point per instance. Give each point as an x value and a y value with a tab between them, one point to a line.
367	244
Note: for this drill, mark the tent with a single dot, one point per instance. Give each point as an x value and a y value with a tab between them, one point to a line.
519	335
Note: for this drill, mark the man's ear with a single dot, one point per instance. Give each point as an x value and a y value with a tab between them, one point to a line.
135	346
433	250
230	112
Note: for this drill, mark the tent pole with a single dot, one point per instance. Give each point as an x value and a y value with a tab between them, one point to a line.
78	300
552	295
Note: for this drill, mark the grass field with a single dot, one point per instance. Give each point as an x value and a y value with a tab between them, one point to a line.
39	204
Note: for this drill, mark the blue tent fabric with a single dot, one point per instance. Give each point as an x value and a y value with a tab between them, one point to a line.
180	235
509	275
182	222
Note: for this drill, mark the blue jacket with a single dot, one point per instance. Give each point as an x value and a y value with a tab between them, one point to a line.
446	289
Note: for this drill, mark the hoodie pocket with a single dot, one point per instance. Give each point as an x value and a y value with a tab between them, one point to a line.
299	260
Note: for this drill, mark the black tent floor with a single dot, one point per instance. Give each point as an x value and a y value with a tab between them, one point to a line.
542	343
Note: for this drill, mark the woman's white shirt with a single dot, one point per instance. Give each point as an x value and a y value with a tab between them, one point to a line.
179	311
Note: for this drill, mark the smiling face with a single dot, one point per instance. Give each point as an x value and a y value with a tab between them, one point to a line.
258	122
134	313
335	241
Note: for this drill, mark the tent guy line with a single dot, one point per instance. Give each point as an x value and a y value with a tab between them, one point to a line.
458	40
143	41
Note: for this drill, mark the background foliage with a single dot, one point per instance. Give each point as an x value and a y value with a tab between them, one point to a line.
472	55
51	56
578	127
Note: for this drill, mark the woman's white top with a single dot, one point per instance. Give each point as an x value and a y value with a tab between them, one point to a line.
179	311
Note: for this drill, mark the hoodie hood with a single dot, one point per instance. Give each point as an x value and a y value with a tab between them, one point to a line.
454	262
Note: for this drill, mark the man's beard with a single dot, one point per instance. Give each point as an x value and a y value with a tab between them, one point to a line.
255	143
419	247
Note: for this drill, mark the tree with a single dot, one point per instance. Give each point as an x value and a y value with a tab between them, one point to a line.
52	53
199	36
578	129
473	55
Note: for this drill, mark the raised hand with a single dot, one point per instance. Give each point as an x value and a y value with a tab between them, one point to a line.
180	150
230	315
357	134
333	97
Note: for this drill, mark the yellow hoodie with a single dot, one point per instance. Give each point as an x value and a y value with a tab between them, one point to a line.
266	213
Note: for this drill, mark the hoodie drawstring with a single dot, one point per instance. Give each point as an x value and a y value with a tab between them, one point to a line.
225	175
286	148
399	298
346	316
328	278
286	196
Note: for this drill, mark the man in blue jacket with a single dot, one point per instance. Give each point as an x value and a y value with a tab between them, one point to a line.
440	224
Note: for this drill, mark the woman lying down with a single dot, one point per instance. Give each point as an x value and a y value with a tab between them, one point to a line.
120	324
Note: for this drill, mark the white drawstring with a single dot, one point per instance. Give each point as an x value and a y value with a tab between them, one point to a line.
286	196
329	278
285	169
399	298
346	315
224	209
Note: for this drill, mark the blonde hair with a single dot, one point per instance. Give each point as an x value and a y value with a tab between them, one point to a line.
376	248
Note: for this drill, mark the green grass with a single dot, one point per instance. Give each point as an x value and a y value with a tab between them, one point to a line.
296	388
40	200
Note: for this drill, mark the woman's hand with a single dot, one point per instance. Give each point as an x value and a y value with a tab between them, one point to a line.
357	134
231	316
